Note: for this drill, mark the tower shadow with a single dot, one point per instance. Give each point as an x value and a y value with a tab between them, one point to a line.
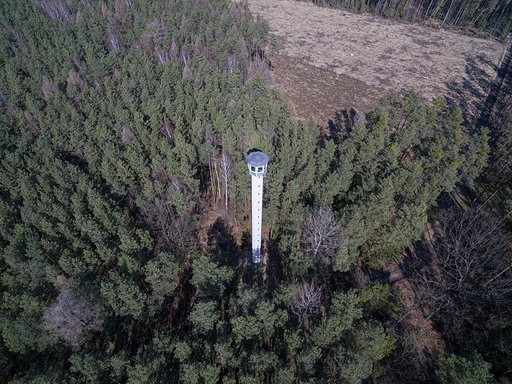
222	245
275	266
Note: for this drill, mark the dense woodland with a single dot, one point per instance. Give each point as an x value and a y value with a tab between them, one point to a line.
124	211
492	17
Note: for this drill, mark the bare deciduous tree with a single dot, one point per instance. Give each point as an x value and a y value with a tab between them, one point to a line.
54	9
187	73
226	170
173	233
71	318
174	49
104	10
75	79
322	236
232	63
49	90
153	41
87	5
17	43
32	124
259	66
111	41
126	136
306	300
167	129
121	7
472	278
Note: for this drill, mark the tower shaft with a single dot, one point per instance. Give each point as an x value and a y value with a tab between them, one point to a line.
257	164
257	208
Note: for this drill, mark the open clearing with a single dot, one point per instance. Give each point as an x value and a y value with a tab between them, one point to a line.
328	60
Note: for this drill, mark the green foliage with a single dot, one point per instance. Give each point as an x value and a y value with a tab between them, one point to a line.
209	277
370	344
396	165
454	369
100	146
122	296
270	318
182	351
345	310
377	297
113	119
88	367
284	376
343	261
372	338
203	316
244	328
190	373
210	373
38	377
162	275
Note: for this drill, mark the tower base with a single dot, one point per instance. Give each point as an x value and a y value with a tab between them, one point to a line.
256	256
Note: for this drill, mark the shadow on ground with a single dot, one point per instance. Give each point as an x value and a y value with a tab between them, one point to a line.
222	244
476	93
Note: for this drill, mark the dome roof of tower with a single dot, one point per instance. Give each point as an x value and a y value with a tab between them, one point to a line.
257	159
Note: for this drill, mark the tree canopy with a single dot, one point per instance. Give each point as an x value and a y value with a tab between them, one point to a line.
491	17
124	203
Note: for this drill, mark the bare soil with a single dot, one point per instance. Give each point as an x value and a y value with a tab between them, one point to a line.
328	60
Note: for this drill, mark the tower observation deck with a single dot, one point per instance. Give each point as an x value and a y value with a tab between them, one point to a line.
257	164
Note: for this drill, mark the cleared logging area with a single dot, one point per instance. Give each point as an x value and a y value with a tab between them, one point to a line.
327	59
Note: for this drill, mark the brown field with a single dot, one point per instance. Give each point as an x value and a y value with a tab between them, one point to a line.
328	60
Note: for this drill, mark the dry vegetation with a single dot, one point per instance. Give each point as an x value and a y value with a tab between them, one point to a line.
328	59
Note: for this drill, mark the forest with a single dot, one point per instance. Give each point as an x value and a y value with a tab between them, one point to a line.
485	17
125	251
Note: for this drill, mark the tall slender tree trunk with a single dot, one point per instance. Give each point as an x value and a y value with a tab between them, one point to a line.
448	12
429	8
218	180
226	169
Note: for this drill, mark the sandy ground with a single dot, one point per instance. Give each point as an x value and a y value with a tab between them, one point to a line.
328	59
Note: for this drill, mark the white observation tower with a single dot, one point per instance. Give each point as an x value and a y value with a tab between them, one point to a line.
257	163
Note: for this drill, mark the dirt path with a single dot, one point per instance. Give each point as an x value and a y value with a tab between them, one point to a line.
424	338
331	59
